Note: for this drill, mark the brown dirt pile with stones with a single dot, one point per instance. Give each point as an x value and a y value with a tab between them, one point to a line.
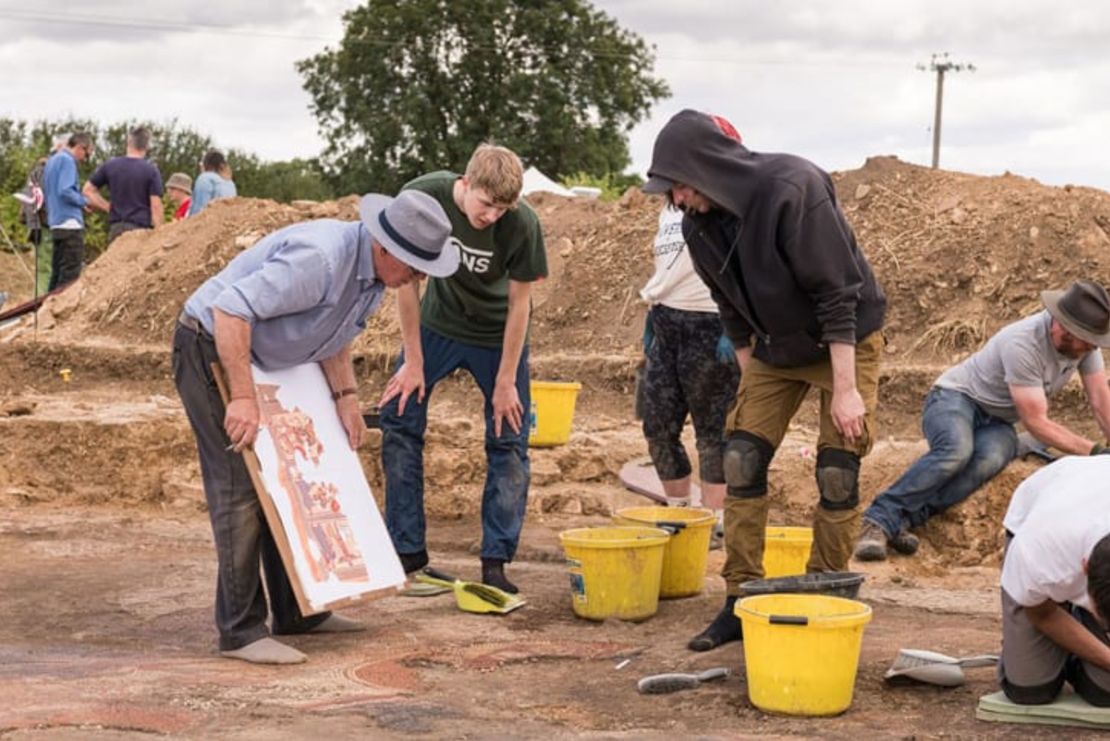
958	255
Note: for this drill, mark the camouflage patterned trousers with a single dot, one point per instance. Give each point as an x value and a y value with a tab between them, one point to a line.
684	376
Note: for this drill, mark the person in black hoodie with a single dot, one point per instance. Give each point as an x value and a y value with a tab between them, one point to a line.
802	307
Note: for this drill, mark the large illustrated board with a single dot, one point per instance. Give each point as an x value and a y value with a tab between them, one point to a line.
314	493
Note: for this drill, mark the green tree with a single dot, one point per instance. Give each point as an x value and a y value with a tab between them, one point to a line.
415	85
174	148
281	181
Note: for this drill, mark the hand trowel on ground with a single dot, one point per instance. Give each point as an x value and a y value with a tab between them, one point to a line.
658	684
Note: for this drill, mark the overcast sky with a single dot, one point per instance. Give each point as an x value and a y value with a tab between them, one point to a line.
834	81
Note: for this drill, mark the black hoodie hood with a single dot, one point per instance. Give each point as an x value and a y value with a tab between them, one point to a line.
776	251
694	150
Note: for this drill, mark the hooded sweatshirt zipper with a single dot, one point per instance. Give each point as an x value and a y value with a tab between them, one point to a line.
759	331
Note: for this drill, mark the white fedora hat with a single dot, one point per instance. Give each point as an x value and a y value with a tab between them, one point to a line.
413	228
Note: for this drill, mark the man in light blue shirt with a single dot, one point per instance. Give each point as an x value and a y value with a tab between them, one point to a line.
65	209
300	295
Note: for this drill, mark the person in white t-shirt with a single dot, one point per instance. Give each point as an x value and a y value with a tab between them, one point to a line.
1056	584
971	411
690	369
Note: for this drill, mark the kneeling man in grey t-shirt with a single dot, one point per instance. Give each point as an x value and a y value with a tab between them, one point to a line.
971	411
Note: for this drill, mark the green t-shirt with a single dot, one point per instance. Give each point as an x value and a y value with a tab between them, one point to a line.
472	305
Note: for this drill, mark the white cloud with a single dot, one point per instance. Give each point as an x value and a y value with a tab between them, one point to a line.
834	81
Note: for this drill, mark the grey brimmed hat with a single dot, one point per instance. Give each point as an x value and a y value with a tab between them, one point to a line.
1083	310
181	181
413	228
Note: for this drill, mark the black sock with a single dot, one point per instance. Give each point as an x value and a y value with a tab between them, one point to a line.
725	628
493	574
411	562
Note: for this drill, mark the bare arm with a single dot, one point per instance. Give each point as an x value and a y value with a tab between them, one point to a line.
157	211
409	378
1068	633
97	201
340	372
233	344
1098	396
743	355
1032	409
506	400
847	409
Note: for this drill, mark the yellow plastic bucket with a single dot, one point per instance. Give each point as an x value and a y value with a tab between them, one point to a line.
614	571
552	412
801	651
786	551
687	551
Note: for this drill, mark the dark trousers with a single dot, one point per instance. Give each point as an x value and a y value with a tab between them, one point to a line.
117	228
684	377
68	257
1034	668
243	539
506	491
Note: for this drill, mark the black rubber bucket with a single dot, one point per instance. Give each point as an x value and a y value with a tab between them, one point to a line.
833	583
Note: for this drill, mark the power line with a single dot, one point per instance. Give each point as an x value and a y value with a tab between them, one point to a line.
144	24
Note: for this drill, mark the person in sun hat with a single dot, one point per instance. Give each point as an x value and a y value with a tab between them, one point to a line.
476	319
179	191
971	411
803	309
299	295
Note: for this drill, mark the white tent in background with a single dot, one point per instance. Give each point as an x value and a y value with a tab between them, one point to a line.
535	181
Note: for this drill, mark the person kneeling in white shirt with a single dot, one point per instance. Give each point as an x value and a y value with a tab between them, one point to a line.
1056	584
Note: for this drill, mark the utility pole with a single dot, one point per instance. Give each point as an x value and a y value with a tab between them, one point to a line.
940	65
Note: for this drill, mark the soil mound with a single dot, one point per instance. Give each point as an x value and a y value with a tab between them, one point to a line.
961	255
958	255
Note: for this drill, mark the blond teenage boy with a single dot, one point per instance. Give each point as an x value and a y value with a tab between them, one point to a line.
477	320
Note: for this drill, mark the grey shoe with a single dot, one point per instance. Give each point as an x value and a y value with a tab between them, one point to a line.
266	651
335	623
872	542
904	542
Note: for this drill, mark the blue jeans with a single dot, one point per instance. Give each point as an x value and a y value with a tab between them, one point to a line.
507	473
967	448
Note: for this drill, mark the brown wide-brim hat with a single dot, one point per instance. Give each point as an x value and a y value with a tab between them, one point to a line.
1083	310
181	181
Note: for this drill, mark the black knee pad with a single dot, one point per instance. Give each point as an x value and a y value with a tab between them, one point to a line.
747	458
838	479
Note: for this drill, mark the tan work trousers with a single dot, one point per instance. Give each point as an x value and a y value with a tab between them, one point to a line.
768	398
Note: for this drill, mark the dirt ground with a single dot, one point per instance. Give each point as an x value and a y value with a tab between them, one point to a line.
108	568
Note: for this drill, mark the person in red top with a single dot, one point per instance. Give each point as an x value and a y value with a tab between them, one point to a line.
179	190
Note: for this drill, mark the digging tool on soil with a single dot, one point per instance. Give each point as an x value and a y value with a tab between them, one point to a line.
934	668
1029	445
471	596
658	684
640	477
